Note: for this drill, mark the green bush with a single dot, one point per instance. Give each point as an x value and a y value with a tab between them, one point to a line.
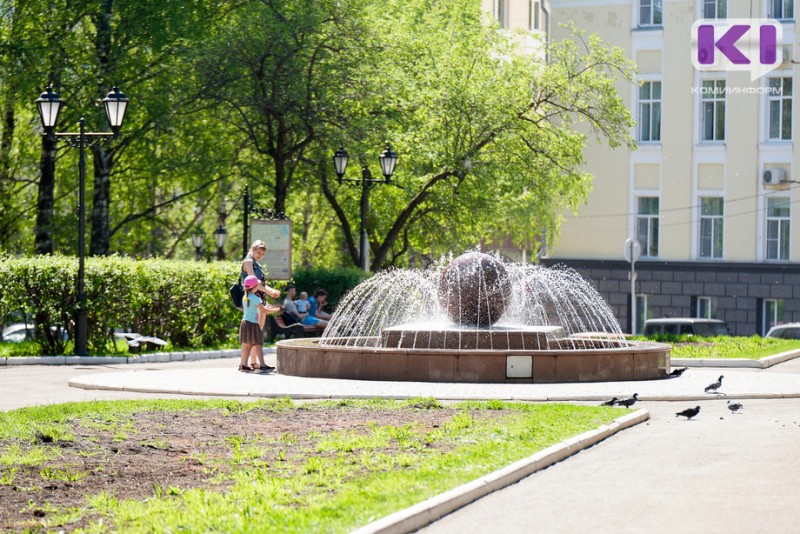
186	303
336	282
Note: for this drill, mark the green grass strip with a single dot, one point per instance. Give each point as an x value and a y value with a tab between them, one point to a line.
344	487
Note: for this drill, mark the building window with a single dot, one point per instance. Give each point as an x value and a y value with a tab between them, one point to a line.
650	13
780	9
711	217
715	9
647	225
779	98
778	222
533	15
706	307
772	314
713	112
500	12
650	111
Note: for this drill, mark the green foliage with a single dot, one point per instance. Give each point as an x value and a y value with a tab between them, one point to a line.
751	348
336	281
186	303
269	89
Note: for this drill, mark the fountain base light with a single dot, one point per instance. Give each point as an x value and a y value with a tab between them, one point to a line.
635	361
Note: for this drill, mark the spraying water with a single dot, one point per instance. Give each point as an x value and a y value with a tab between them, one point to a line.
475	301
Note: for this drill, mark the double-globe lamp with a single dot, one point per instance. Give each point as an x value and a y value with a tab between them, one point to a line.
49	104
388	160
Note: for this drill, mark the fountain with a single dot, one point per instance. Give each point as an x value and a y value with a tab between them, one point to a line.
475	318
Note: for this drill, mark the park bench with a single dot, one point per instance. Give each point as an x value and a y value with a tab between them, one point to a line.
137	342
278	326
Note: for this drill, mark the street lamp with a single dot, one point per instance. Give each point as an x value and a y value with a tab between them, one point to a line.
388	161
220	235
197	241
49	105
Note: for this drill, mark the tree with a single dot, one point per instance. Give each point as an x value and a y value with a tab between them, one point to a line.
273	72
486	133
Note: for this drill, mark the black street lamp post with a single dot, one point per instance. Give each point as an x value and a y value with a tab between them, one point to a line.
220	235
388	161
49	105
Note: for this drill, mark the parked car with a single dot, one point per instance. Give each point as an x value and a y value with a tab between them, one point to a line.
785	331
690	326
19	332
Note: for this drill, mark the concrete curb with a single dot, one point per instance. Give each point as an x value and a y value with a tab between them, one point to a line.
152	357
763	363
433	509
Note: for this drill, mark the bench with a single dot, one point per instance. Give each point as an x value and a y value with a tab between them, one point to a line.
137	342
277	326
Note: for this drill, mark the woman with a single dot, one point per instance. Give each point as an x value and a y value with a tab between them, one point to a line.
251	267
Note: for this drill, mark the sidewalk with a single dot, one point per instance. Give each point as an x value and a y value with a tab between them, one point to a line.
213	381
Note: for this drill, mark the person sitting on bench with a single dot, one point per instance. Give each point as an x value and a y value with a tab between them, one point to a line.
290	312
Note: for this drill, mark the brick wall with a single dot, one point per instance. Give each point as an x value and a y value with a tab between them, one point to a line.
673	287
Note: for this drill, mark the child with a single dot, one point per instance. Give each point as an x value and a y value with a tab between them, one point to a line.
255	313
302	302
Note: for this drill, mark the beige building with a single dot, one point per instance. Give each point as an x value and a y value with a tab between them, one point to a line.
710	194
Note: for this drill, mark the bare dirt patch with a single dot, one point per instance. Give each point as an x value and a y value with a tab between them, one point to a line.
153	453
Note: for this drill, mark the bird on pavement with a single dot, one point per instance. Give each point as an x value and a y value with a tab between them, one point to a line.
688	413
677	372
609	402
628	402
714	386
734	406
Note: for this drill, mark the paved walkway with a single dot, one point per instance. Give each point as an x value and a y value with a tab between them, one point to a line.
718	472
213	381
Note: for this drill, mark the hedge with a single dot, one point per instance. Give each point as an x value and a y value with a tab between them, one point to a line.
186	303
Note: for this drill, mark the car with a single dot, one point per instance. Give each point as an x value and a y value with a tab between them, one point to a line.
785	331
691	326
19	332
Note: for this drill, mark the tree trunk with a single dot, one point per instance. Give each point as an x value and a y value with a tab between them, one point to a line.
5	170
100	243
43	240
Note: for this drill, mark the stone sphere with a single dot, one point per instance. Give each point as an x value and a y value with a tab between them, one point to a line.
474	289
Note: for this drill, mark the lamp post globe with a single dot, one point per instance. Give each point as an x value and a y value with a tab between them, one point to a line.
220	235
116	103
388	159
49	104
197	241
340	158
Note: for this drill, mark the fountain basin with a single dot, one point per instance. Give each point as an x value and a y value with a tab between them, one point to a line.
634	361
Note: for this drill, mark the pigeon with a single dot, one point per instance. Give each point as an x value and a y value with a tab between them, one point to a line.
609	402
628	402
688	413
677	372
735	406
714	386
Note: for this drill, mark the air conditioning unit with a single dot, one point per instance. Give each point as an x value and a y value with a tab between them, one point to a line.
774	176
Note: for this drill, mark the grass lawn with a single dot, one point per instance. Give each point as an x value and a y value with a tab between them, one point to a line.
267	466
752	348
